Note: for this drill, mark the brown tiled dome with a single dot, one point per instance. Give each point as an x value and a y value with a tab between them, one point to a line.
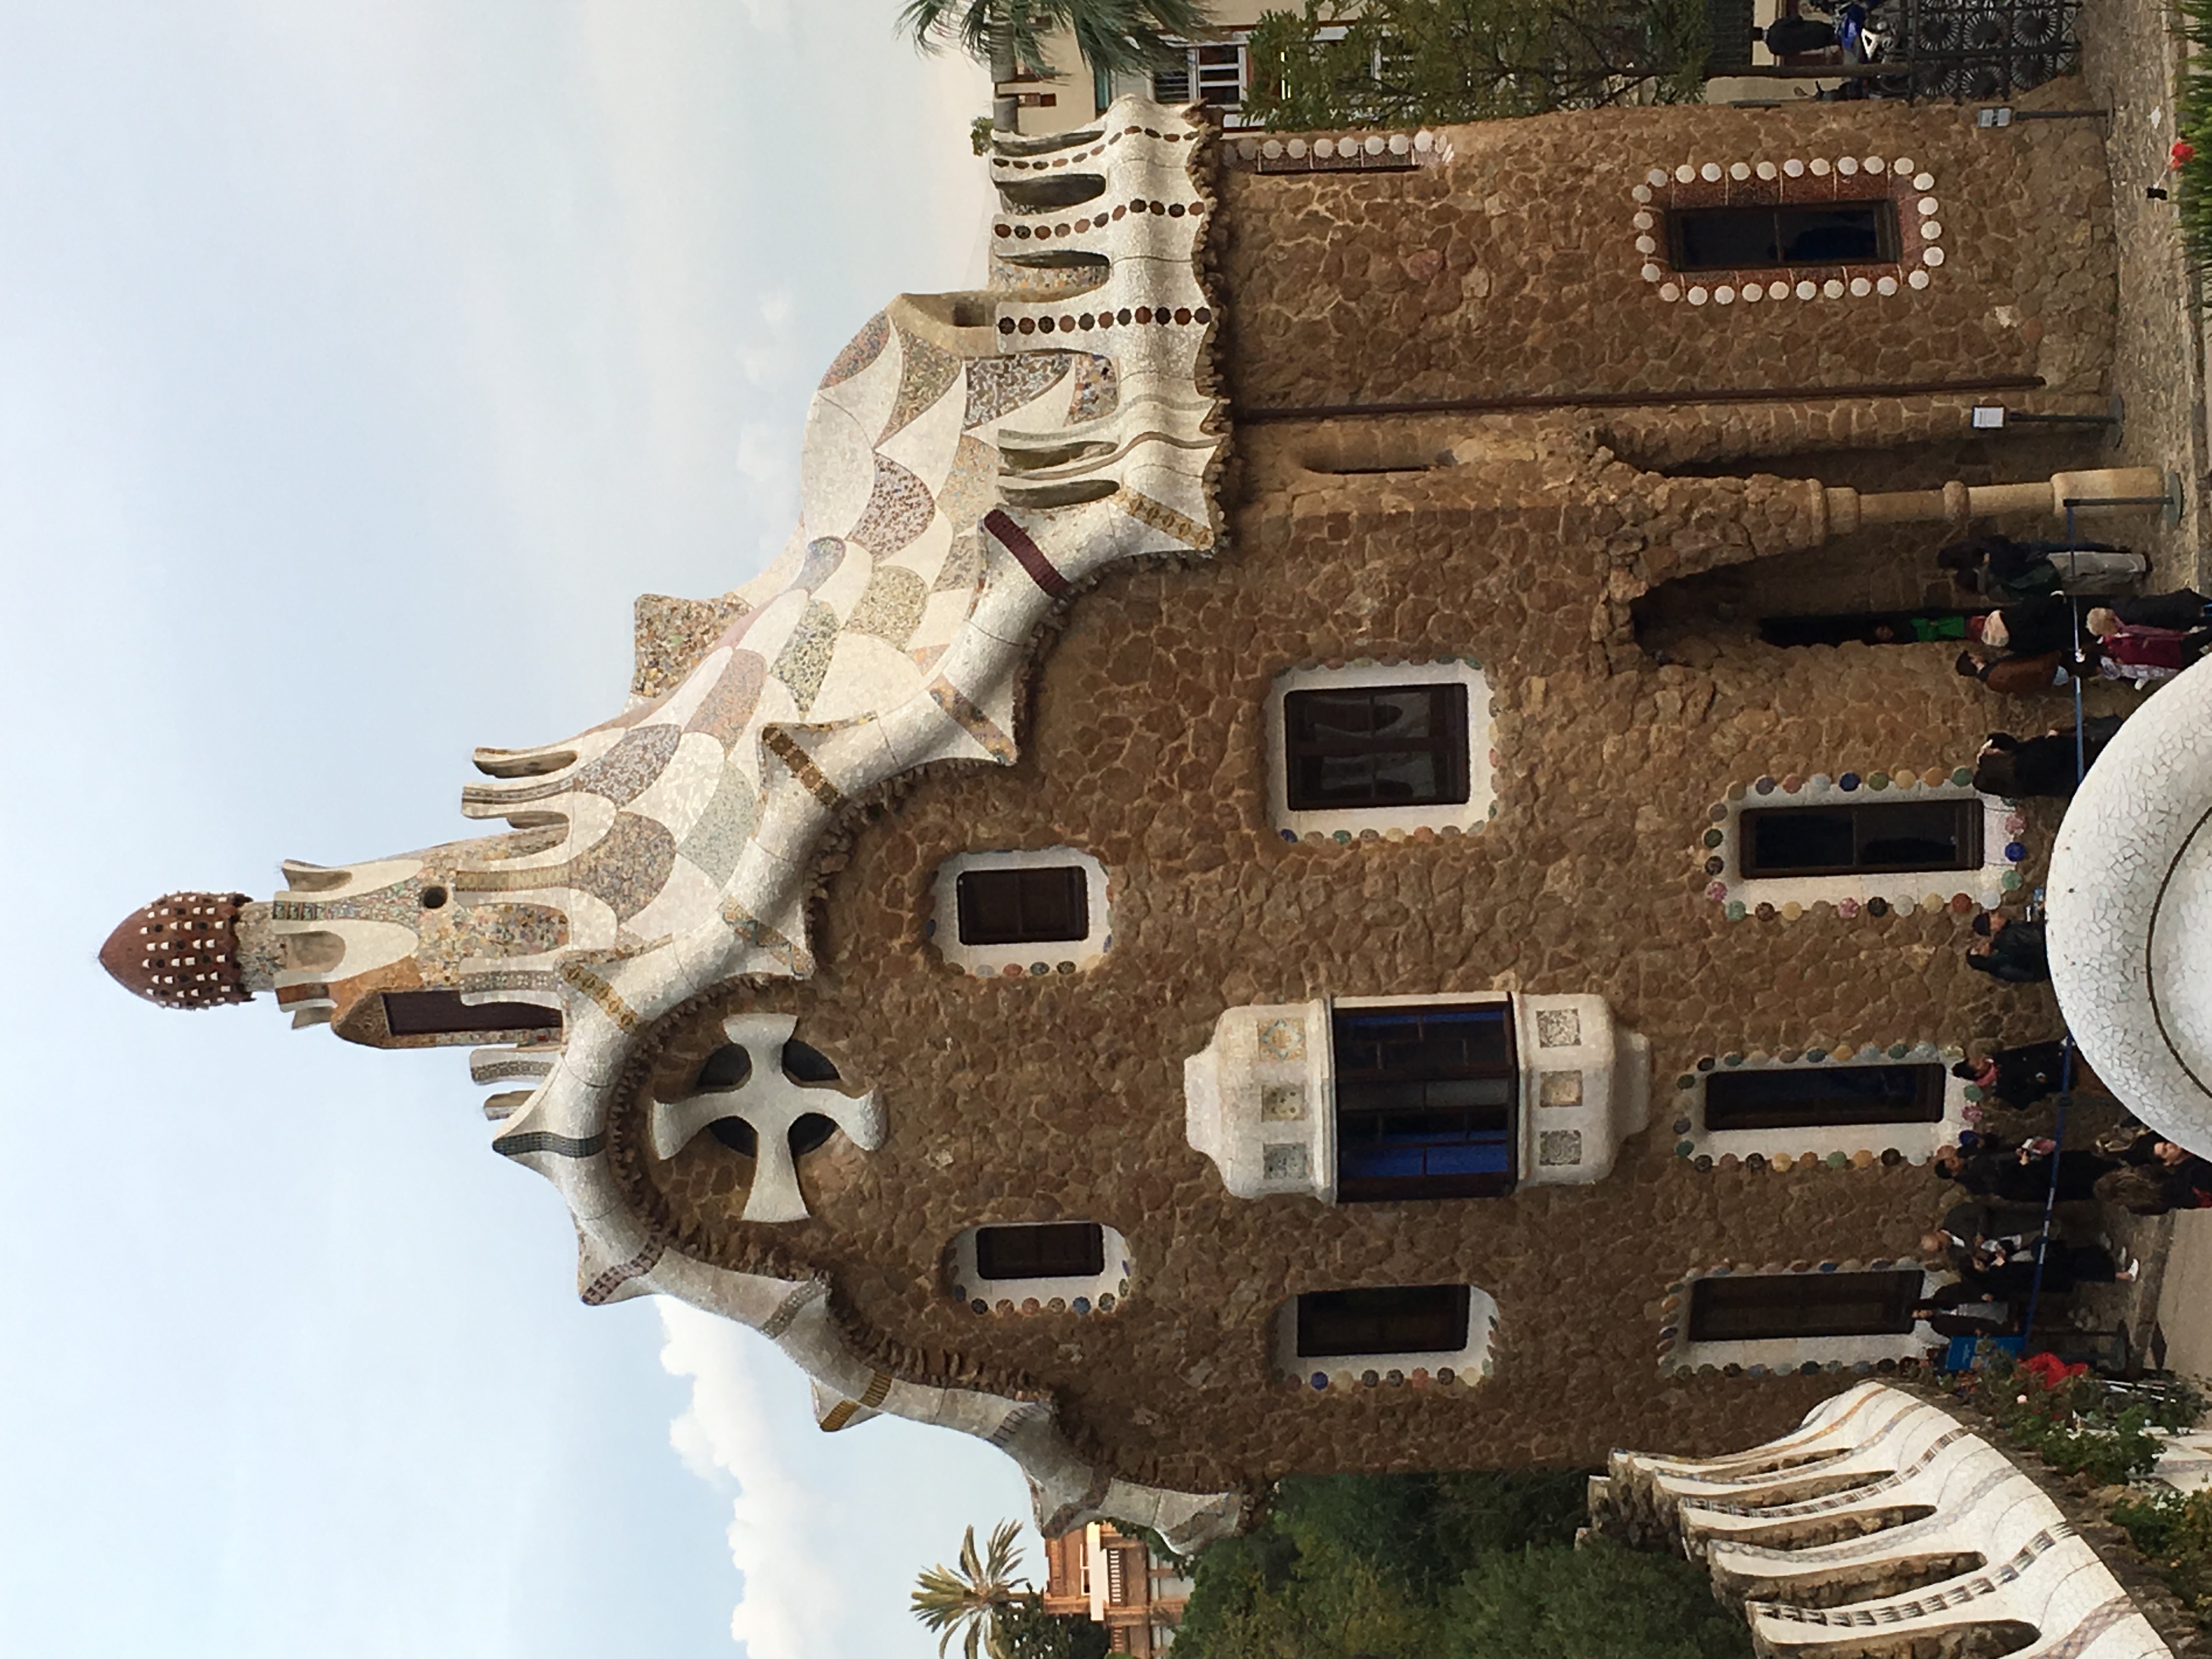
180	951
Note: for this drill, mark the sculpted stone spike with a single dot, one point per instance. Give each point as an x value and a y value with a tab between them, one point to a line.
771	1102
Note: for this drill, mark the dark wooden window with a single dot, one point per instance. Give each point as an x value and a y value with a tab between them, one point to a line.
1023	907
1801	1097
1380	745
1813	233
1754	1307
1401	1319
1855	840
1425	1101
438	1013
1064	1249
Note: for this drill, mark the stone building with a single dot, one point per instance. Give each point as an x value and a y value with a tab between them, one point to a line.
1100	1573
1245	898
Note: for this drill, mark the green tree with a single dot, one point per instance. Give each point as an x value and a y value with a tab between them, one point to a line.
1400	62
1119	37
1033	1633
973	1600
1444	1566
1599	1601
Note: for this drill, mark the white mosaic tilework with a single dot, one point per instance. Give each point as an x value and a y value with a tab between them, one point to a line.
1747	1517
2131	912
960	479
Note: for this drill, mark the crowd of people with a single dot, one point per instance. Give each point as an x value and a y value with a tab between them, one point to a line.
2035	617
2045	632
2016	1241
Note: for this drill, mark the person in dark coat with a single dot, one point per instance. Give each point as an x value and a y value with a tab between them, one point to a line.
2008	571
2049	622
2012	951
2022	676
2182	610
2019	768
2022	1174
2006	1266
2019	1076
1791	37
1964	1310
2184	1177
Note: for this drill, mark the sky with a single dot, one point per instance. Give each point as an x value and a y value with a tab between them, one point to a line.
358	364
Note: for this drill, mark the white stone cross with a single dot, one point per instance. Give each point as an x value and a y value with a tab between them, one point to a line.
771	1103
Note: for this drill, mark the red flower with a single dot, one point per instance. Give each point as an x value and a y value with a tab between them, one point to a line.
2182	151
2050	1370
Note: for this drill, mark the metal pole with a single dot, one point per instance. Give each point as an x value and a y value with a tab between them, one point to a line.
1640	399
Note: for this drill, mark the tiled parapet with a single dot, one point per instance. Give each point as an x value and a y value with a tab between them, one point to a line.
1879	1484
2131	912
969	462
1260	1099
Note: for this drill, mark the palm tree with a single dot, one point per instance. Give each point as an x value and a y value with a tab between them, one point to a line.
1120	37
975	1597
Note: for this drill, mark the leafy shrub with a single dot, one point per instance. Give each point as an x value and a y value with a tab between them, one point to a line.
2174	1530
2076	1423
1430	1565
1601	1602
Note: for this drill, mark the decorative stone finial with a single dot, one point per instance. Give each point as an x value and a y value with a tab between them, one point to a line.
180	951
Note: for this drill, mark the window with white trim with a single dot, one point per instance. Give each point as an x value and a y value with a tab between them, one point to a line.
1875	843
1375	750
1013	915
1370	1335
1846	1105
1775	1324
1053	1266
1348	1099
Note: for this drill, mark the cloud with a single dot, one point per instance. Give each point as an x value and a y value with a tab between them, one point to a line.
729	1437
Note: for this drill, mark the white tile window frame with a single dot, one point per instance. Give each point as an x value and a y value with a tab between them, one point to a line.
1259	1099
1791	181
1036	959
1368	824
1100	1293
1343	1374
1719	852
1789	1356
1837	1144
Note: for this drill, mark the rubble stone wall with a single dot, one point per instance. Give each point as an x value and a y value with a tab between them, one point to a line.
1059	1097
1513	269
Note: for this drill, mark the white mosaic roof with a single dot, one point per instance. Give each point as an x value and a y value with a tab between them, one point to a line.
2131	912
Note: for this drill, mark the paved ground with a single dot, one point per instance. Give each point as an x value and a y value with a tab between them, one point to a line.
2184	1305
2129	63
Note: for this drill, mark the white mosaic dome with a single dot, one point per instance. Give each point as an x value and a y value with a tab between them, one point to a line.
2131	912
